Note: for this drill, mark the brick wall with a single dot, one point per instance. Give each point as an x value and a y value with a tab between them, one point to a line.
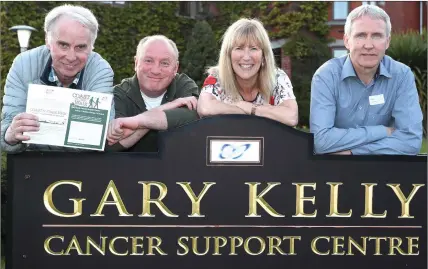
404	15
286	63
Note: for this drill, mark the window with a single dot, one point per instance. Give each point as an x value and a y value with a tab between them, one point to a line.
185	9
190	8
340	10
339	52
374	3
200	7
277	56
119	3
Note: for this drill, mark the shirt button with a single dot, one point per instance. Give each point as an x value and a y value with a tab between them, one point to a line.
359	107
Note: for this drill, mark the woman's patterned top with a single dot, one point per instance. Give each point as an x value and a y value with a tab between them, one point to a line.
282	90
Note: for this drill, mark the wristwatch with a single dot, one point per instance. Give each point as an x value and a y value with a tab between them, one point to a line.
253	109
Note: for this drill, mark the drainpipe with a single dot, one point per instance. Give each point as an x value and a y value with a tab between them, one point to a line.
421	14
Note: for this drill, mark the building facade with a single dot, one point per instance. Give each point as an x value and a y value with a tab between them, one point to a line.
405	16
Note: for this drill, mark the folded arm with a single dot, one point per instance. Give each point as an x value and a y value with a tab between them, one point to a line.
208	105
401	142
286	112
129	130
327	138
407	114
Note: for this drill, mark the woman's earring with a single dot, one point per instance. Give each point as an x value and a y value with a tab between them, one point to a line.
263	64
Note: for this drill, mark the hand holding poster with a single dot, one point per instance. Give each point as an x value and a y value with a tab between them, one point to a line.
69	117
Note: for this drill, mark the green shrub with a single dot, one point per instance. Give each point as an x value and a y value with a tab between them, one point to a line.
201	52
421	85
308	54
410	48
121	28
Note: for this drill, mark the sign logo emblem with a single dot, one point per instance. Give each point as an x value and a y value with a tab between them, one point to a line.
232	150
229	151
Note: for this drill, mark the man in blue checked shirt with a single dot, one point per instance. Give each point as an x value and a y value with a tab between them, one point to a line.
365	102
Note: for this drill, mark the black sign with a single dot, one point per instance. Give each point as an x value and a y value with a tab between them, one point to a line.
224	192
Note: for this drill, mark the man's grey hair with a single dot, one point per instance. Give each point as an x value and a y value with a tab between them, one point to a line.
143	42
77	13
373	12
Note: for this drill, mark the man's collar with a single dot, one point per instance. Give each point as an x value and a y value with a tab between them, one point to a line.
45	75
348	69
54	78
170	92
382	69
135	94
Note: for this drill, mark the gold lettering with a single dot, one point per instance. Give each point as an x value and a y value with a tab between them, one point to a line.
393	246
334	198
255	199
352	242
135	245
158	201
292	238
233	244
74	244
405	202
117	201
77	203
196	201
247	248
300	199
195	245
217	245
155	246
113	249
411	245
100	248
337	245
273	245
377	248
314	245
368	203
47	245
183	245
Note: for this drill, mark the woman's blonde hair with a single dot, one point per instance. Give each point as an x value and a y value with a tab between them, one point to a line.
245	31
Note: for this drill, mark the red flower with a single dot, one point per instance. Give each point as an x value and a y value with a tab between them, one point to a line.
210	80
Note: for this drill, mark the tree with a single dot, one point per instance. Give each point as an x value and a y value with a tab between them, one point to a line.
201	52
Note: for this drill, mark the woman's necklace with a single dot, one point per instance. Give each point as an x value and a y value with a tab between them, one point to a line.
253	99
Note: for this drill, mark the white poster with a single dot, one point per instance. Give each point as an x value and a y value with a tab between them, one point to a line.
69	117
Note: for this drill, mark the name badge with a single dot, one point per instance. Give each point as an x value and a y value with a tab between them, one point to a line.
376	100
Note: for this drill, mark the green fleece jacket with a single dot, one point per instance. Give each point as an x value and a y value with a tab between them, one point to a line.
129	102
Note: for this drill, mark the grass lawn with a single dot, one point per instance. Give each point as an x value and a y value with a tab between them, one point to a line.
424	146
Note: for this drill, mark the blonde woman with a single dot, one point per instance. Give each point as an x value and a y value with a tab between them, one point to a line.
246	80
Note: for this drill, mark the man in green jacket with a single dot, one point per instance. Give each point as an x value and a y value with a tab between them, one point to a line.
156	98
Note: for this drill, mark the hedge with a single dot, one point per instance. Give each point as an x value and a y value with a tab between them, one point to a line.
122	26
